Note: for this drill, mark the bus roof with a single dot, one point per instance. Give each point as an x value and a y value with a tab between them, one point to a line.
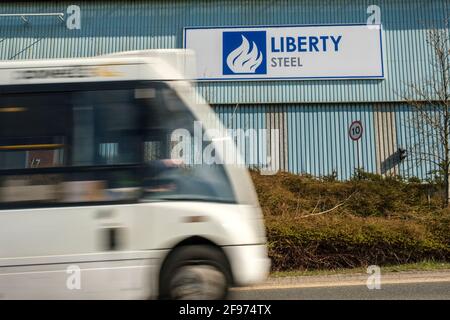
170	64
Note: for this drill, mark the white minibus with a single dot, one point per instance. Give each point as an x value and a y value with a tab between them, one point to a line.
93	202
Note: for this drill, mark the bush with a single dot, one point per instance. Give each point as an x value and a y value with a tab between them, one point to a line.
371	195
375	220
348	242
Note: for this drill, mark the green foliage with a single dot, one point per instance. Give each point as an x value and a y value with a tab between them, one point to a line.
360	174
330	178
414	180
349	242
370	195
381	220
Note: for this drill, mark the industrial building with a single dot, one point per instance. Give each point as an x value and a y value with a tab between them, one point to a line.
312	109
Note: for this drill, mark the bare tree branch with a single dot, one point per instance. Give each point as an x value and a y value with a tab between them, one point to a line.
430	103
340	204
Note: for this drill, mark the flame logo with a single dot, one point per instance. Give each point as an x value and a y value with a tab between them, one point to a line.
244	60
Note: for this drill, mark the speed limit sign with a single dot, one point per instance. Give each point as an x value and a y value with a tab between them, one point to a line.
355	131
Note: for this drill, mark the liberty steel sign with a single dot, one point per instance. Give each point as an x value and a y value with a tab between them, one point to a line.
287	52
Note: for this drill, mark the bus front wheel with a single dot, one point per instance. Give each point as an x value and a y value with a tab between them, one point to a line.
195	272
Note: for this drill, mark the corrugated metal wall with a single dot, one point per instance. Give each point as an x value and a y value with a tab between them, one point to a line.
314	138
408	137
109	26
312	116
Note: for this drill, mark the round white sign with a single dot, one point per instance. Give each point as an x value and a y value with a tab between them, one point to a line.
356	130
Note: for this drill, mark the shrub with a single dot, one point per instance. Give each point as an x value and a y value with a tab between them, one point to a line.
347	242
376	220
372	195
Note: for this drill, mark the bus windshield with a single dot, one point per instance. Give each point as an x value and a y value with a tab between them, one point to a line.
87	143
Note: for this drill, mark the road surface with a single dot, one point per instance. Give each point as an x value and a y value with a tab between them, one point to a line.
393	286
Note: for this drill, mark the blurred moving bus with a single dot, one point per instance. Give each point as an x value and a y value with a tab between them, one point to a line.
93	206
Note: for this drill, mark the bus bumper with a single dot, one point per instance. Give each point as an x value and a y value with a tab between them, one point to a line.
249	264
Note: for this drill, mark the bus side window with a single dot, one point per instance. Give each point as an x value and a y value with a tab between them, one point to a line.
34	130
168	177
34	135
107	140
106	128
93	134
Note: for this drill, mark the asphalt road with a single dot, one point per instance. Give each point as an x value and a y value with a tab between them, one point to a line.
399	286
416	291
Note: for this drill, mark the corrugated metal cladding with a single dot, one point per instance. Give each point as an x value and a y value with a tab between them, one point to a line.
314	138
312	116
109	26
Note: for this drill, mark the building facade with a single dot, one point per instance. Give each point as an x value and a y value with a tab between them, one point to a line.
312	116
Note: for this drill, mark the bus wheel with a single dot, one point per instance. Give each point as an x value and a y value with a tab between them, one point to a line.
195	272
